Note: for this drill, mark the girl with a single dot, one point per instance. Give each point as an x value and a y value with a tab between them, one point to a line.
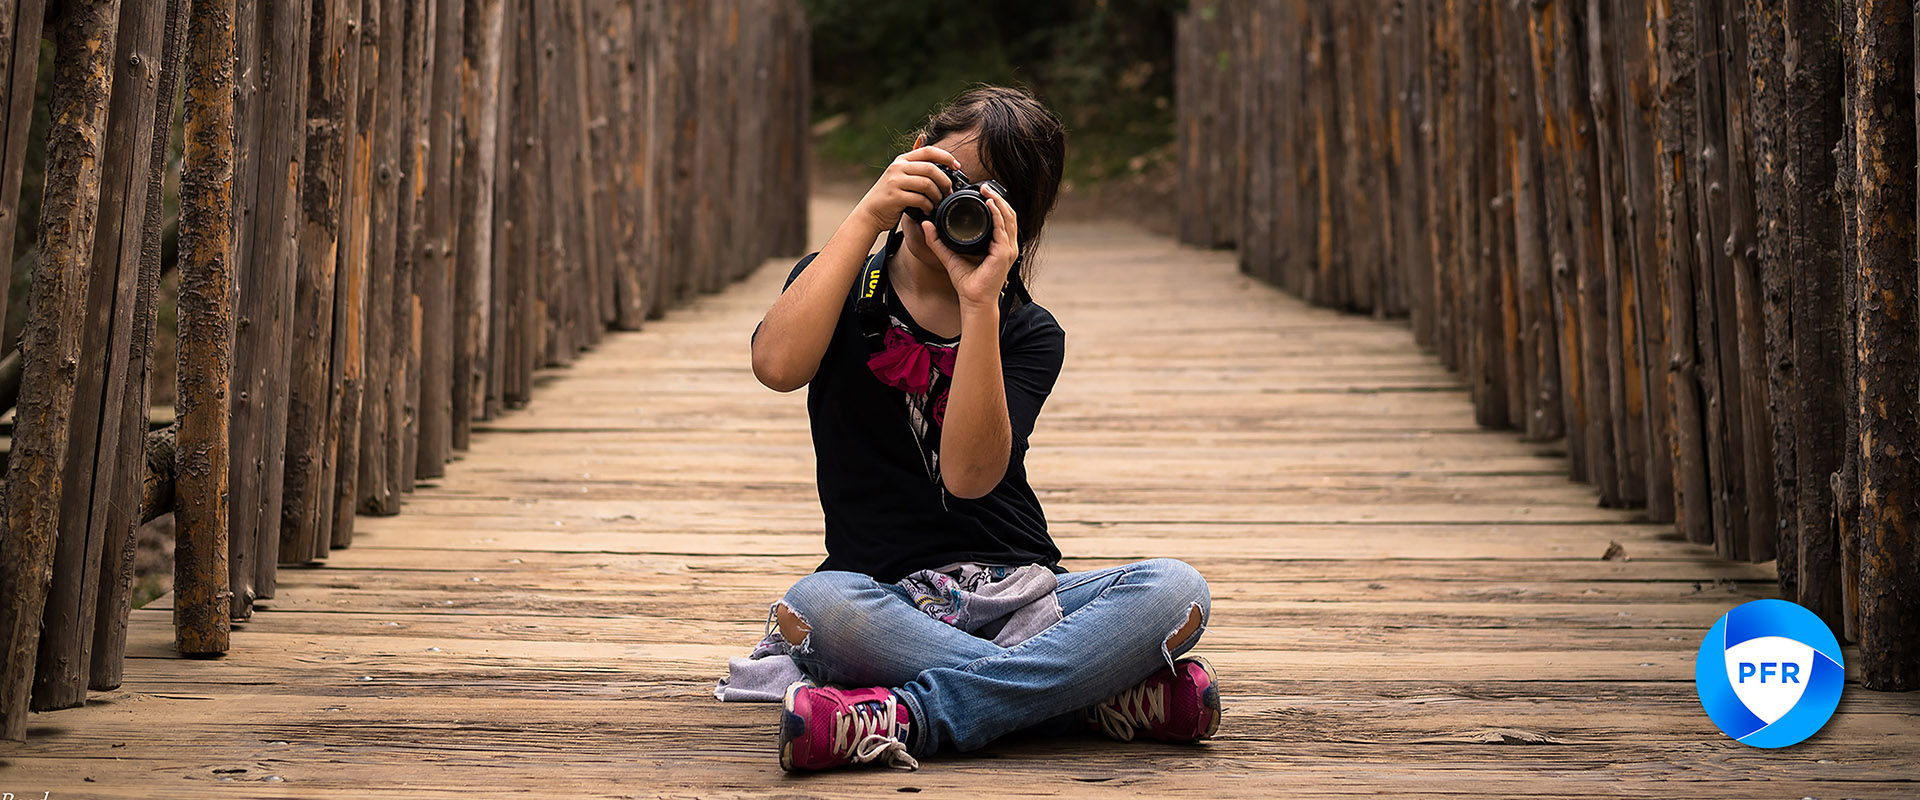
926	370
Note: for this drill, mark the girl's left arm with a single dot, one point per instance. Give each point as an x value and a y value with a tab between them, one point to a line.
976	437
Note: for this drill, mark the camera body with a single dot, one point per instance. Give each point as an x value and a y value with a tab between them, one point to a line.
962	219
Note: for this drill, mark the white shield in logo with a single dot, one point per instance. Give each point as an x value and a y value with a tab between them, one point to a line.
1769	674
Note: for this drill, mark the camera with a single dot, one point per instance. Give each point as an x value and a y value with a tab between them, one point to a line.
962	218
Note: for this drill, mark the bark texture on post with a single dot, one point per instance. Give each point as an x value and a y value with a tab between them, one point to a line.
1814	244
20	28
263	342
433	282
89	480
128	508
50	343
202	592
1881	97
331	65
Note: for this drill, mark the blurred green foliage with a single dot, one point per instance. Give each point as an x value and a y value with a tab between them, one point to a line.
1105	66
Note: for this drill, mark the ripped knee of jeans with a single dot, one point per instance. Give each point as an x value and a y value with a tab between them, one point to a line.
1185	636
792	628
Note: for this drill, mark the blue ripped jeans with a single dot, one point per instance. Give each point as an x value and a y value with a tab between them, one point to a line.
964	691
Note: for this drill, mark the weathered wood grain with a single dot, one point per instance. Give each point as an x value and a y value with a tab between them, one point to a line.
202	587
90	482
50	347
330	68
21	22
129	503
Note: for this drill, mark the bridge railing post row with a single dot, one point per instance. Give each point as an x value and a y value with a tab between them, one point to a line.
1618	221
393	213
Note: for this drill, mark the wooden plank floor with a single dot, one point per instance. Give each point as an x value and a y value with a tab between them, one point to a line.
1402	603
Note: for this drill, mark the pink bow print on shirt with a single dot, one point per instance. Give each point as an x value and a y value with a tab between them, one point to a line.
904	362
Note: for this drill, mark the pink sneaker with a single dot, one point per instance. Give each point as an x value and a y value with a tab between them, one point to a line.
825	727
1180	706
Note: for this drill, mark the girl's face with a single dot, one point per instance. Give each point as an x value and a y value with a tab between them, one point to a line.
965	149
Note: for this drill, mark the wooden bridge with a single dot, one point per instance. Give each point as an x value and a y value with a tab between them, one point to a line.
1403	602
479	261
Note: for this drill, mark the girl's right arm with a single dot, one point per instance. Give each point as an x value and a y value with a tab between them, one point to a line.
795	331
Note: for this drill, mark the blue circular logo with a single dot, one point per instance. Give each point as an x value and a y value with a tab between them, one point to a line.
1769	673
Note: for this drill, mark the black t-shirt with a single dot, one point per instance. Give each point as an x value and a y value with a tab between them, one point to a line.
876	449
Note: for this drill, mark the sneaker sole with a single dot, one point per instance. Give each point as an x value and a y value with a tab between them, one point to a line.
792	727
1210	698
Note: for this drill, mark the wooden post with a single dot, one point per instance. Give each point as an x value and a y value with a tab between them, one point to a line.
405	425
1545	417
126	509
473	288
331	65
1743	344
1586	284
262	347
433	282
378	491
1714	316
624	125
50	344
1888	343
1550	82
90	480
202	594
246	143
524	312
507	232
1325	156
1640	122
561	257
20	27
1615	270
350	301
1232	59
1770	276
1845	483
599	127
1694	509
1814	111
593	282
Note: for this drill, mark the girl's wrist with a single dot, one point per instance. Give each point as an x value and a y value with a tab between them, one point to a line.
981	311
863	221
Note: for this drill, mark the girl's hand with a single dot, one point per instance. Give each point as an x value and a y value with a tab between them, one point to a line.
978	280
911	180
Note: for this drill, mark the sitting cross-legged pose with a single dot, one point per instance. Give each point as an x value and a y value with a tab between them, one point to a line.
941	619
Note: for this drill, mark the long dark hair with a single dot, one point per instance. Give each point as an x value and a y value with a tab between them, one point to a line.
1025	149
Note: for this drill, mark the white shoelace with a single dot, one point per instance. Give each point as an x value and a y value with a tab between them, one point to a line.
1134	708
867	736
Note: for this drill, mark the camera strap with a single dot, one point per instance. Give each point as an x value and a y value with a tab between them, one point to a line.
870	305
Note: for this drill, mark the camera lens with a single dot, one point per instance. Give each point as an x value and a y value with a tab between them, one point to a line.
966	220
